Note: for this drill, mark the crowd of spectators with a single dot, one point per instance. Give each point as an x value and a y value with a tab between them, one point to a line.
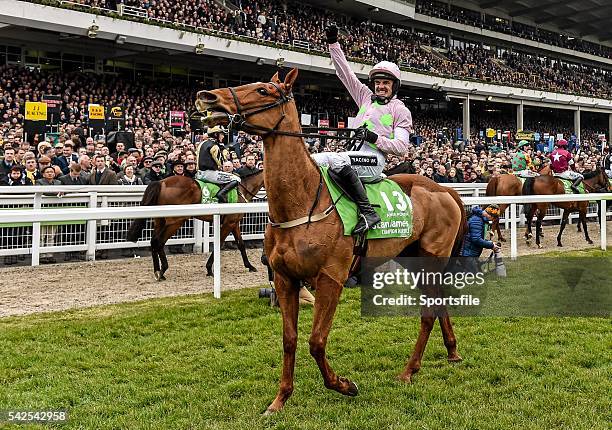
475	18
302	25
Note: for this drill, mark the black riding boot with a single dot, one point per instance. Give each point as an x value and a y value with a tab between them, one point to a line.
575	186
222	194
351	183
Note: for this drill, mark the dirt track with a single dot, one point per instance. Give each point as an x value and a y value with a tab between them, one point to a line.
26	290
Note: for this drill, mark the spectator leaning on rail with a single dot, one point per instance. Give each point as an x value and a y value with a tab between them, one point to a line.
561	162
385	124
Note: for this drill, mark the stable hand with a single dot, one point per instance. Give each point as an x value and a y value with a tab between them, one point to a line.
331	32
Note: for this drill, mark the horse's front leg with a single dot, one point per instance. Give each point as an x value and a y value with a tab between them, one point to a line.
288	293
328	293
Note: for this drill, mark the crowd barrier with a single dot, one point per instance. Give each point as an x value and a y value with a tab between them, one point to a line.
48	217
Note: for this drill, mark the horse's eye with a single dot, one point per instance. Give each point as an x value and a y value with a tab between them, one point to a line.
262	91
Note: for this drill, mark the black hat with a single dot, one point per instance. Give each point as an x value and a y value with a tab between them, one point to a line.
178	163
133	150
147	159
157	163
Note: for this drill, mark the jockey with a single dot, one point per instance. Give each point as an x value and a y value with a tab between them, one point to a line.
561	162
607	164
385	123
210	155
521	163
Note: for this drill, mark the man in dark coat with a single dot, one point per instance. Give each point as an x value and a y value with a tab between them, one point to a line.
102	175
474	240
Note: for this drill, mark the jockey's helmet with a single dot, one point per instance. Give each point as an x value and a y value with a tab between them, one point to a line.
561	143
388	70
522	143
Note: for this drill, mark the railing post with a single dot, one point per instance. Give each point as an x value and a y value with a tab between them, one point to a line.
206	243
36	232
217	256
602	227
197	234
91	229
513	232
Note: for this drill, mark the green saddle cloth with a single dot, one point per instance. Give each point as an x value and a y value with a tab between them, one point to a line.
209	192
388	199
567	185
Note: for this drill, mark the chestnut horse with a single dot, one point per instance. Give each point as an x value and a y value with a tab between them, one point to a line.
506	185
181	190
595	181
318	252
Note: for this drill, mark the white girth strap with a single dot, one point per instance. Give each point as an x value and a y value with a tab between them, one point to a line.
304	219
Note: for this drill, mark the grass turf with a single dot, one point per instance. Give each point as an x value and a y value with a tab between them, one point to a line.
195	362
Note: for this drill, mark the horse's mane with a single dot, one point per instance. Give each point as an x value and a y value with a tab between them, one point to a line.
593	174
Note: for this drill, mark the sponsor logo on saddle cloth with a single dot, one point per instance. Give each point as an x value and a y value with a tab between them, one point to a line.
209	193
389	201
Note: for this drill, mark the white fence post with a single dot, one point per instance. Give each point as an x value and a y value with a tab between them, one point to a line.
513	232
91	229
602	214
217	256
198	236
36	232
206	244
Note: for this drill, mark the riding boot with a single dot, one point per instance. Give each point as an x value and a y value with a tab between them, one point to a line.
222	194
351	183
574	186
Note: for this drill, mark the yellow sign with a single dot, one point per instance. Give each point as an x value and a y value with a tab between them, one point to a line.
36	111
96	112
524	135
490	132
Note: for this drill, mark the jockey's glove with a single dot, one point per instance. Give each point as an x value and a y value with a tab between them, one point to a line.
365	134
331	32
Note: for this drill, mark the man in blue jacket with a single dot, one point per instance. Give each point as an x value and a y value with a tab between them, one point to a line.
474	241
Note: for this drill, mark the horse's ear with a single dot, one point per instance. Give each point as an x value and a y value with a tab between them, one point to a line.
290	78
275	79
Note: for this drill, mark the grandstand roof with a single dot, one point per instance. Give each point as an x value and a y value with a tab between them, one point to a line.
579	17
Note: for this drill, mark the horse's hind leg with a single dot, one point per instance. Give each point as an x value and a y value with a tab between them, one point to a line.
502	209
414	364
583	212
328	294
155	245
288	297
564	218
166	233
450	342
242	248
225	231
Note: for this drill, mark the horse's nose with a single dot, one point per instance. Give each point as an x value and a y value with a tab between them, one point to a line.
208	97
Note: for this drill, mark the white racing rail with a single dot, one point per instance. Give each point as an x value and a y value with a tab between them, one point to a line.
91	215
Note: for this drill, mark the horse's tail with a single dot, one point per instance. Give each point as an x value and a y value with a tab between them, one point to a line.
150	197
528	191
463	226
492	186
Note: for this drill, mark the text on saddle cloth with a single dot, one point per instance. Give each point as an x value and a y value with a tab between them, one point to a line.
388	199
209	193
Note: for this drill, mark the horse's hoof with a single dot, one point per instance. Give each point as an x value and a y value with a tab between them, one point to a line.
559	244
269	412
405	377
158	276
529	236
209	274
540	246
590	242
252	269
455	358
353	389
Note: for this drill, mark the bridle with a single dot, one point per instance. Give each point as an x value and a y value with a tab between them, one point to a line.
239	120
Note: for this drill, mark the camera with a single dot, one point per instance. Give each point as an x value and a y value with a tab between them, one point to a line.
265	293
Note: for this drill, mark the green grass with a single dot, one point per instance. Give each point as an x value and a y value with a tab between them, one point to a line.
196	362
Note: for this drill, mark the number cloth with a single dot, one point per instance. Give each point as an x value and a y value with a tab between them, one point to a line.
209	193
389	201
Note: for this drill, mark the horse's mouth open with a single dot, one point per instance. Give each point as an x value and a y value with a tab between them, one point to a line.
212	115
